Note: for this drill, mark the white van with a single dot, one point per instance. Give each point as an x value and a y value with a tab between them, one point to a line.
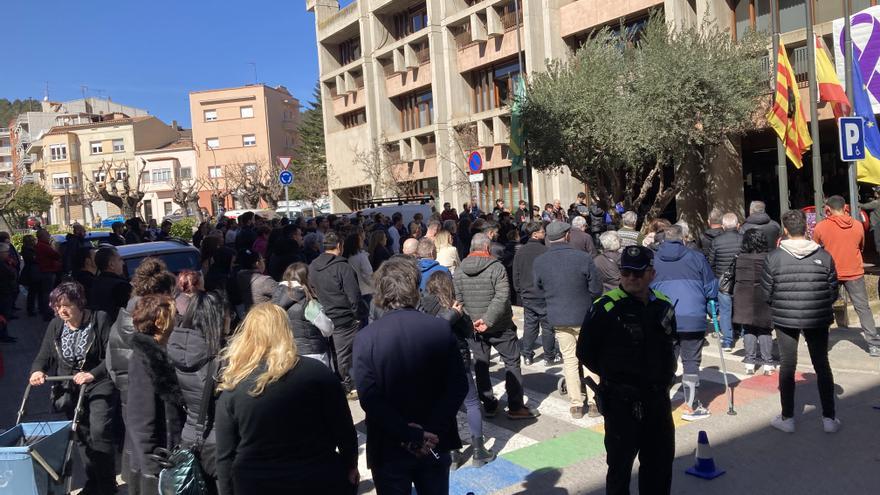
408	211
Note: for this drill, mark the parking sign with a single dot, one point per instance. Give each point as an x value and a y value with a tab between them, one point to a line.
852	138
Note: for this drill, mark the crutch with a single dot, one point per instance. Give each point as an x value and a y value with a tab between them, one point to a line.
713	308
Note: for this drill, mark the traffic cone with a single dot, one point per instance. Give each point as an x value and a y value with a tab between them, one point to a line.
705	465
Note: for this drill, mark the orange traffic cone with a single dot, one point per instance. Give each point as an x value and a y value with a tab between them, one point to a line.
705	465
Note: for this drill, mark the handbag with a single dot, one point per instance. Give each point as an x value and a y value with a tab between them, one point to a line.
182	472
314	313
728	278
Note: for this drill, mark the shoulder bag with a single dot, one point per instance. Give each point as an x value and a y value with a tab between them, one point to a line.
728	279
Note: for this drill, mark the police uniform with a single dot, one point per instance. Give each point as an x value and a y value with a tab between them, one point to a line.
629	344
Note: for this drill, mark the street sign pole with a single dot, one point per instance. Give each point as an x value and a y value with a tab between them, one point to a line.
285	163
287	200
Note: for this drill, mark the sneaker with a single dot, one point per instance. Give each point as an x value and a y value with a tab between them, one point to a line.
593	411
577	412
728	349
490	410
874	351
695	414
522	413
783	424
830	425
768	369
554	361
750	369
352	396
528	361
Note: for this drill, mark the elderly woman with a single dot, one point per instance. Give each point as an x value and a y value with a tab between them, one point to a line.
75	344
278	406
607	263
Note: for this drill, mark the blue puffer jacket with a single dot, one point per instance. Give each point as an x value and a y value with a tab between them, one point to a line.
686	278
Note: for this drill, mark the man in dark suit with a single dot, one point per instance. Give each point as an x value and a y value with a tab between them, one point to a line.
410	382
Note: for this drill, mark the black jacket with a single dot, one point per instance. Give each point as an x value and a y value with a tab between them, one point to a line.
336	286
287	436
570	282
309	339
245	238
49	360
188	352
405	376
119	349
724	250
749	304
30	272
761	221
800	282
523	273
285	253
109	293
596	219
708	238
155	413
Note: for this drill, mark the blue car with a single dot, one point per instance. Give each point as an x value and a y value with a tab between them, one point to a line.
109	221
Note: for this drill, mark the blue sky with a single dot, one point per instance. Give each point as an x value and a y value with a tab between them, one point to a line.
151	54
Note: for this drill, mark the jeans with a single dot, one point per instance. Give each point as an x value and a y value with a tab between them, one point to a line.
690	349
817	343
429	476
534	319
343	340
472	407
507	346
571	366
725	319
859	296
755	338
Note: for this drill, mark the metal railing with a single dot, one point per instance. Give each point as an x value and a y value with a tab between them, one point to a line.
799	63
423	54
463	36
508	19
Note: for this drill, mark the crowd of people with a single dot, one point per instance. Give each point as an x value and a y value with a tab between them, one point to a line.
251	359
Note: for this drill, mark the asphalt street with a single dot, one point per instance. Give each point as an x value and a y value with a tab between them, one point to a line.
556	454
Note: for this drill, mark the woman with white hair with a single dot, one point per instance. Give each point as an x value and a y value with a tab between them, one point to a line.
607	263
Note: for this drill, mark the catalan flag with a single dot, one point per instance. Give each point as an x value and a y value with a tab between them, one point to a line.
830	89
786	116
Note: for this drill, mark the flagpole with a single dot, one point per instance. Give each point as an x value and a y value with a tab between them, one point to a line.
847	70
522	73
816	152
781	168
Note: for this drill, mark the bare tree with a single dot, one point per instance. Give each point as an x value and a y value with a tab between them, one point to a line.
219	189
185	193
116	188
464	142
243	182
385	170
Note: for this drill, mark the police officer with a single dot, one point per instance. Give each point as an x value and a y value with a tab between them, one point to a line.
628	340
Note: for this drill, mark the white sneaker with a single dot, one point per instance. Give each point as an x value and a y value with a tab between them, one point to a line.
695	414
769	369
830	425
750	369
783	424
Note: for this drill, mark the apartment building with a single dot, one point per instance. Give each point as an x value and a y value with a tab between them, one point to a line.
6	168
425	82
240	129
69	156
166	167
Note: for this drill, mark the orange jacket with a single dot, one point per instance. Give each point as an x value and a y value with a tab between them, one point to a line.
844	238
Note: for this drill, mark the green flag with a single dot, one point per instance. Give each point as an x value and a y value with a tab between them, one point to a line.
516	126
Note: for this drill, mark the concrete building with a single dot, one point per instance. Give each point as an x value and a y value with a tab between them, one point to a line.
6	167
423	83
240	129
70	156
171	166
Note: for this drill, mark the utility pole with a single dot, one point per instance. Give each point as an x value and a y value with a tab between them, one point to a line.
816	152
781	168
847	70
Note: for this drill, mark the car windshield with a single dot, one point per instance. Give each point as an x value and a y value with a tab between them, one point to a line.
176	262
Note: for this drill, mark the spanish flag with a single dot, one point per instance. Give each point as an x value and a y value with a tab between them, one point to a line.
786	116
830	89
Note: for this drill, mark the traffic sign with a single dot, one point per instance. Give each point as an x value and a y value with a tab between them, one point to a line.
852	138
285	161
285	177
475	162
475	177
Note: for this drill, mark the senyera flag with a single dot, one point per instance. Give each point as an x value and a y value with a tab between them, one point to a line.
786	117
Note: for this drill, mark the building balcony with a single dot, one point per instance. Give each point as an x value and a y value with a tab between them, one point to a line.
349	102
397	84
62	189
338	21
483	53
583	15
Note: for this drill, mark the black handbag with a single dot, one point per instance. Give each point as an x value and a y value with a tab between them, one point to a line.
182	472
728	279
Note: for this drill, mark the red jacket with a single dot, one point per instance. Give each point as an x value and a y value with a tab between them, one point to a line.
844	239
48	259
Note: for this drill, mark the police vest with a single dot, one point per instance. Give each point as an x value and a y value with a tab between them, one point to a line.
615	295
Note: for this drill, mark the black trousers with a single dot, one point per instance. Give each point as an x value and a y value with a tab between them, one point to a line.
95	434
817	344
535	320
651	437
343	341
506	343
429	476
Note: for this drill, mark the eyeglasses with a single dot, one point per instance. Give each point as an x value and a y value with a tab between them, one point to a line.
625	272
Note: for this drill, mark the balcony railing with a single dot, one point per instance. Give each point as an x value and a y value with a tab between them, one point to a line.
430	149
463	36
508	19
800	62
423	54
65	187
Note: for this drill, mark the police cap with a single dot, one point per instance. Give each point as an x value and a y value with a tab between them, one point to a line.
636	258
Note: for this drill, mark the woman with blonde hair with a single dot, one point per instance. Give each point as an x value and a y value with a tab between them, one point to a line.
281	417
447	253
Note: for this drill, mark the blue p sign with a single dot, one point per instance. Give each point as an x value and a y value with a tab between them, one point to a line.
852	138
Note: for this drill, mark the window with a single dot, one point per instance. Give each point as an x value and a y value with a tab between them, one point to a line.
168	206
354	119
145	177
213	143
493	87
210	115
249	140
349	51
63	182
97	147
161	176
100	177
214	172
120	174
416	111
408	22
118	145
246	112
250	168
185	173
58	152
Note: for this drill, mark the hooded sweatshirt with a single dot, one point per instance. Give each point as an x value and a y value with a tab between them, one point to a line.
686	278
427	267
844	239
337	288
